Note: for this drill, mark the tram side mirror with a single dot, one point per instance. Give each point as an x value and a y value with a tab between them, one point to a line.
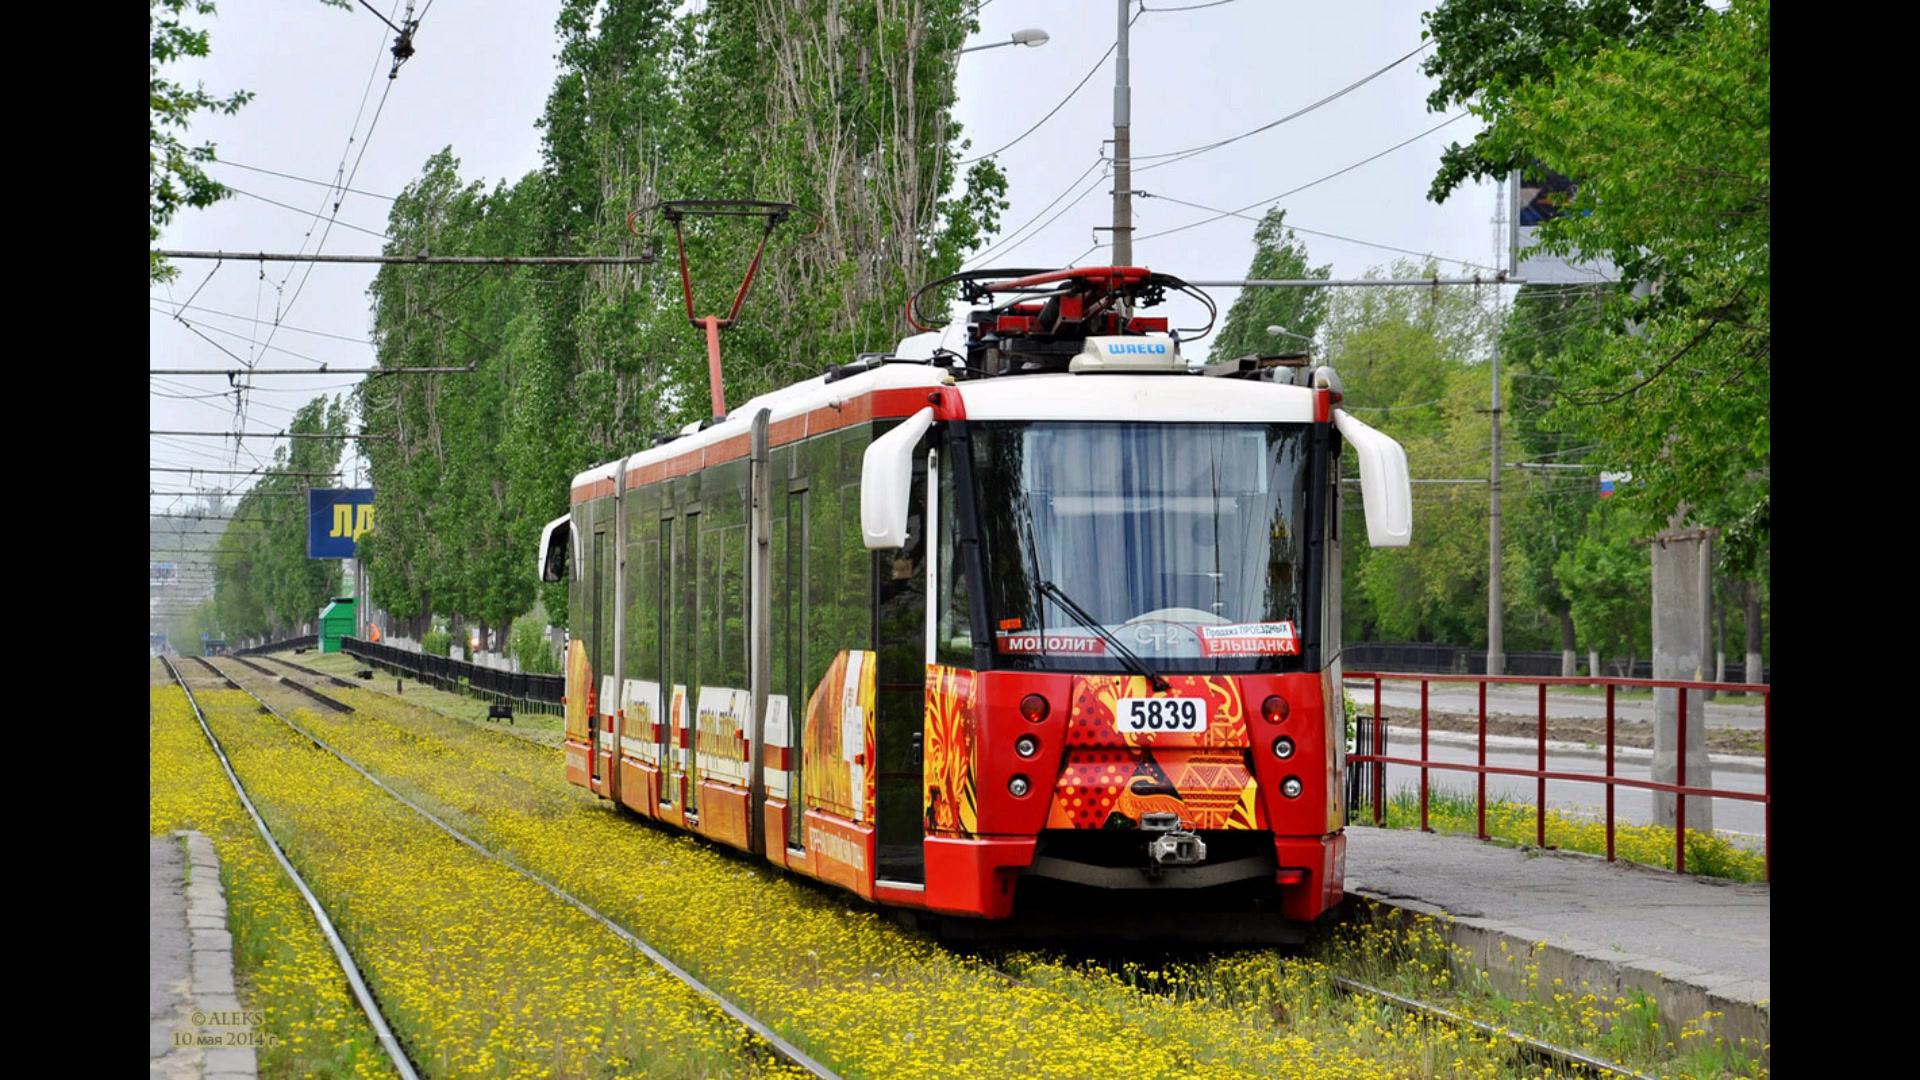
1385	488
886	483
555	543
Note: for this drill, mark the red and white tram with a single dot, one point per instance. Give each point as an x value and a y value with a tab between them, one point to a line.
1025	609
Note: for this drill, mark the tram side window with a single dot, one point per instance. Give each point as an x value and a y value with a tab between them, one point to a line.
954	634
903	579
724	547
824	635
577	607
857	571
642	643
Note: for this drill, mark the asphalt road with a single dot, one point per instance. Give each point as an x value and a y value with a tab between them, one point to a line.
1523	700
1743	819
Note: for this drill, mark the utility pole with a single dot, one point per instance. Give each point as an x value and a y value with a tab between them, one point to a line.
1496	637
1122	149
1496	597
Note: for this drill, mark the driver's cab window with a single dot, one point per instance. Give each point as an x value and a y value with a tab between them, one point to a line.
953	633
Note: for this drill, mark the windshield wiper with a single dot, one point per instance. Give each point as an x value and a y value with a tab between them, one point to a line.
1134	663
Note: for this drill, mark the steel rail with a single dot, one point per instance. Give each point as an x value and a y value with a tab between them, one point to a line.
300	670
382	1031
1560	1056
1556	1055
786	1049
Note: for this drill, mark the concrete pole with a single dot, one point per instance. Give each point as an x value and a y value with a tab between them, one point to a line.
1708	609
1122	149
1496	599
1680	643
362	614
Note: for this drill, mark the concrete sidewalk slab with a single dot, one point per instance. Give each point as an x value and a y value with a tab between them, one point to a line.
1695	944
189	965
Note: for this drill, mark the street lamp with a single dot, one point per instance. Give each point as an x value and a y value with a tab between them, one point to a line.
1020	37
1276	331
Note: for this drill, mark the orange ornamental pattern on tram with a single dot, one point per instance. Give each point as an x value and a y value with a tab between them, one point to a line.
1112	769
838	738
947	763
579	708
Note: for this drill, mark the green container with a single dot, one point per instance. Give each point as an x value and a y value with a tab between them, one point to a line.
336	622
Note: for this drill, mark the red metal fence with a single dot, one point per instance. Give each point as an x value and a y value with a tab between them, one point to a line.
1376	753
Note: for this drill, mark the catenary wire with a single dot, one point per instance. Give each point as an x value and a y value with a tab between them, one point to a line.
1174	156
1098	64
1008	244
1311	183
301	179
243	318
286	206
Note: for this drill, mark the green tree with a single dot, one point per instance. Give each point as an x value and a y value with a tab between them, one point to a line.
1559	470
1662	113
836	106
1412	363
843	108
530	645
184	630
437	464
174	175
1609	579
1278	256
264	581
1487	51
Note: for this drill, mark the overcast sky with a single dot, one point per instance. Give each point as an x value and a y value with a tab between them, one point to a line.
324	109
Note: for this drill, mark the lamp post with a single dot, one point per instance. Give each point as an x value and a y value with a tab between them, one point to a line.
1122	147
1276	331
1020	37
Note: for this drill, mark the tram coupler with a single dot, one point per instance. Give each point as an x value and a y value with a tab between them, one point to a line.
1175	846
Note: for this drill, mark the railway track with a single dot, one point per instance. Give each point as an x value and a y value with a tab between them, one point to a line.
1530	1050
1525	1050
777	1045
1524	1053
356	979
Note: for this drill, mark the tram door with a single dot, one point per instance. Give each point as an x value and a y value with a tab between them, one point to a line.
663	613
900	696
690	699
600	654
794	596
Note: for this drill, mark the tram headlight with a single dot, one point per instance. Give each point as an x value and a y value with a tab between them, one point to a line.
1020	786
1034	708
1026	746
1290	787
1275	708
1283	747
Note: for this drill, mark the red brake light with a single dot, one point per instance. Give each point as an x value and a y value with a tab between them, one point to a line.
1033	707
1275	708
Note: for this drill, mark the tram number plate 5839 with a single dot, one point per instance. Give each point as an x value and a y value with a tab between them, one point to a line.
1134	715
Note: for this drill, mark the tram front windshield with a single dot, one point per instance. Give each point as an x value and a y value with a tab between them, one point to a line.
1182	543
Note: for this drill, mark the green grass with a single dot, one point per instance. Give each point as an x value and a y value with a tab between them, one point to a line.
1513	824
1382	947
1637	693
547	729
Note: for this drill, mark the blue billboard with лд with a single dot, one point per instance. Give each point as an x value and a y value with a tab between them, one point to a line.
335	519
